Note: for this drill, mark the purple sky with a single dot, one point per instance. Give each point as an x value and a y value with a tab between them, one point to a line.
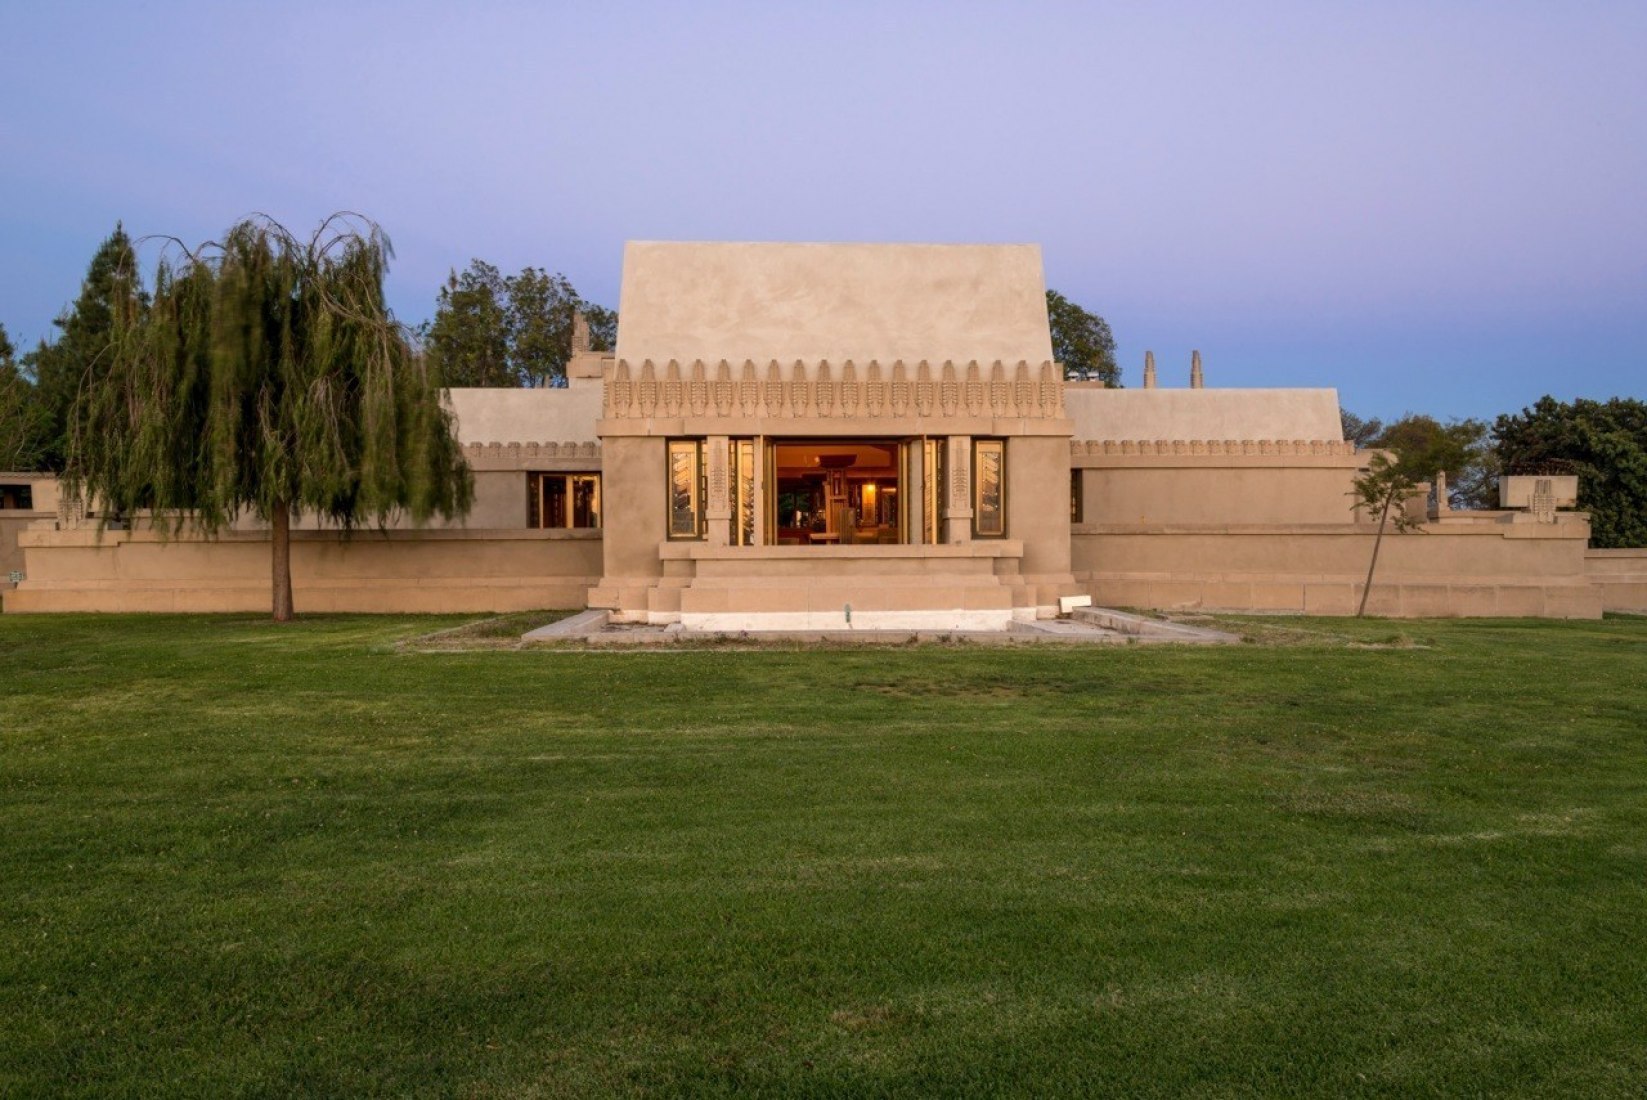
1432	207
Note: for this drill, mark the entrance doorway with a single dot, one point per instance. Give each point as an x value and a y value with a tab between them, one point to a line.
837	492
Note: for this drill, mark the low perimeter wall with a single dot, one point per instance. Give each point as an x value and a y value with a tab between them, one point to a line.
1622	577
1490	564
387	571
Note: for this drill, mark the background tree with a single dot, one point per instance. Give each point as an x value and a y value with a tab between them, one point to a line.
22	419
492	330
603	327
267	376
469	338
1603	442
61	368
1358	431
540	309
1082	342
1378	489
1425	447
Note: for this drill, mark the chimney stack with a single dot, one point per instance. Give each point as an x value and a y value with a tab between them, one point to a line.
1197	380
1149	370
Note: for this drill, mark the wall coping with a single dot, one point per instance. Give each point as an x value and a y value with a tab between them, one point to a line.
90	537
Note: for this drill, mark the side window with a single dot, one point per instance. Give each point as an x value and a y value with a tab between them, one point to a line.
685	488
1076	496
741	461
563	500
989	488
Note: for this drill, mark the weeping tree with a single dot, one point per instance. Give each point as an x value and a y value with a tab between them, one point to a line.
267	376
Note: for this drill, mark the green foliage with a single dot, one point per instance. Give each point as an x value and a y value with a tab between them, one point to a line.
61	369
267	376
1425	446
1381	486
22	417
1082	342
1377	490
603	327
468	341
496	330
540	309
1358	431
1603	442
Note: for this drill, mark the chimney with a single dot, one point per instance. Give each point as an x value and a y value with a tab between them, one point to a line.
1149	370
1197	380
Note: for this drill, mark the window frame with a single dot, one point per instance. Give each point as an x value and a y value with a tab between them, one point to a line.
700	489
535	490
979	444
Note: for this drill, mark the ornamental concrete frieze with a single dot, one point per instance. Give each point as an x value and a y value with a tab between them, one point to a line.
1081	447
823	390
524	456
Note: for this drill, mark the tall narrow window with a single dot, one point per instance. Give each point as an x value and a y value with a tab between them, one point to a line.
989	488
1075	495
686	489
933	486
562	500
741	461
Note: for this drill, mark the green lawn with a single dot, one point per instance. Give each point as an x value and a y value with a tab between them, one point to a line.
242	860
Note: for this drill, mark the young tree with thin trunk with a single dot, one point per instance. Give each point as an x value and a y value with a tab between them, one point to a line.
267	376
1379	489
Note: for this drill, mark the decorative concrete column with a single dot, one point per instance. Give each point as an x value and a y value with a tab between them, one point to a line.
958	524
1197	379
717	512
1149	370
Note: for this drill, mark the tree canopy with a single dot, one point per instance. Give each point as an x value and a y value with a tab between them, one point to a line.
267	376
1425	446
63	367
495	330
1603	442
22	418
1082	342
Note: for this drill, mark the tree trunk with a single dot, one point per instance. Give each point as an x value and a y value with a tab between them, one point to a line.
1366	590
280	547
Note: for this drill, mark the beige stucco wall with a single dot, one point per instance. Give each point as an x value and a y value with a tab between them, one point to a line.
493	415
1622	577
13	521
759	301
1038	514
1100	413
633	521
396	571
1163	492
1493	564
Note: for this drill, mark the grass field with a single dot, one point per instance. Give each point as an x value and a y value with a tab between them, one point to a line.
1399	859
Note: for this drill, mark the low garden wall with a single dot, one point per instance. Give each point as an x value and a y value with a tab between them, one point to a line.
1622	577
1489	564
374	571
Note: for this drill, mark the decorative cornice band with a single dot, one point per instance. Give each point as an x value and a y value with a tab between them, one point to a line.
803	391
1211	447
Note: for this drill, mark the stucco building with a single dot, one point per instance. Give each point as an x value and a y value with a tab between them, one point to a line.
790	434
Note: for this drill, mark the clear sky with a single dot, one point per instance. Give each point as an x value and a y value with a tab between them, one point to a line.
1431	206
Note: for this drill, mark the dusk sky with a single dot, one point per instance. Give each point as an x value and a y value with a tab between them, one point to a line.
1434	207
